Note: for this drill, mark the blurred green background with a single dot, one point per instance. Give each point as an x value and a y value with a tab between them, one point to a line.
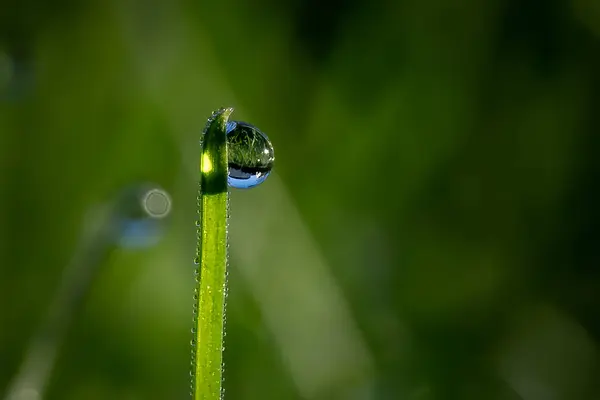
430	230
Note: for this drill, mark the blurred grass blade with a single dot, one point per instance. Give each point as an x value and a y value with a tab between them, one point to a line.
110	226
209	303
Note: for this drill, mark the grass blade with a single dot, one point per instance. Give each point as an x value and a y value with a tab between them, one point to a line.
209	304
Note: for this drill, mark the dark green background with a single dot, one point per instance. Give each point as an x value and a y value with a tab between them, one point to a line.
431	230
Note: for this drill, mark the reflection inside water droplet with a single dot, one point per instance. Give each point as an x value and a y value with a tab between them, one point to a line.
251	155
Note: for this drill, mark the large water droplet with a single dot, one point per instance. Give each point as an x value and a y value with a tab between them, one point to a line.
251	155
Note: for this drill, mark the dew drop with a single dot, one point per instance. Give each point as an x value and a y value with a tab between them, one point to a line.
251	155
156	203
140	212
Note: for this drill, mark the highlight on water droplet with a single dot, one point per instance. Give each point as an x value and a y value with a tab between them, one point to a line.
251	155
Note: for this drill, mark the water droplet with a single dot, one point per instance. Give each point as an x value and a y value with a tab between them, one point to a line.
251	155
196	260
156	203
140	212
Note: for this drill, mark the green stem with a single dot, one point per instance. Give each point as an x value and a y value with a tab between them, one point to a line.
211	289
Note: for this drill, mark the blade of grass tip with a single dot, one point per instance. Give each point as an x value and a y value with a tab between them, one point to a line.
209	301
